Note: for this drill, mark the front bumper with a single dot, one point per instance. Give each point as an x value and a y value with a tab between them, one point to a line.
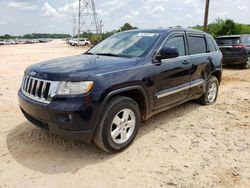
74	118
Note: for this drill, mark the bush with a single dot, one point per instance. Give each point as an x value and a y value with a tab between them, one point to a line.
95	39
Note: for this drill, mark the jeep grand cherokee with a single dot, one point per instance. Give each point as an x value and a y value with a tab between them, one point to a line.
235	49
104	94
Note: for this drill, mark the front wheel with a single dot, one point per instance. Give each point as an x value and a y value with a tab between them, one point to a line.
247	64
211	93
119	124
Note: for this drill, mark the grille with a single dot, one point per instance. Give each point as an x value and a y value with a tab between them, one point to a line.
37	89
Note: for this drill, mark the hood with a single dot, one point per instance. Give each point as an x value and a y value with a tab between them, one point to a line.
79	67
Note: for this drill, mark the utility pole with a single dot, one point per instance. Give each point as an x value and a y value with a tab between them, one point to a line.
74	24
87	18
79	22
101	26
206	16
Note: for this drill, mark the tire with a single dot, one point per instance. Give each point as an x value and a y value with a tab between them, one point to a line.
115	111
211	93
247	64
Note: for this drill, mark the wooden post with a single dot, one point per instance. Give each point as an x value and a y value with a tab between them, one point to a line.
206	16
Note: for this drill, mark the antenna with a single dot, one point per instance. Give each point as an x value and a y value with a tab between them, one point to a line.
87	18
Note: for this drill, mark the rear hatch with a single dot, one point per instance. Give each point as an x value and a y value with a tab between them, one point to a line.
231	46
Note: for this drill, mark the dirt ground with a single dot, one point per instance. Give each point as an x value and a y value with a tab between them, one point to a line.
188	146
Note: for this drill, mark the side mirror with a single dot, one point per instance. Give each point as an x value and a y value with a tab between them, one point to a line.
167	53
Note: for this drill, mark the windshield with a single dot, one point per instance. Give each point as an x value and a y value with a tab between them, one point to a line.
228	41
127	44
245	40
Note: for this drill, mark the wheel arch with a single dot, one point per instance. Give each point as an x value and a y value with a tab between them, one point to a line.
137	93
218	75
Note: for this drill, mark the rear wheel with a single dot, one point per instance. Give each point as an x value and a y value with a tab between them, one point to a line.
119	125
211	93
247	64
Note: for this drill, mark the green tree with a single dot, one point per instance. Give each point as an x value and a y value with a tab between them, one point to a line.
127	27
228	28
95	39
225	27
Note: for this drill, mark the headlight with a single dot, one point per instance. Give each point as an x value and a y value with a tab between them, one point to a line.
74	88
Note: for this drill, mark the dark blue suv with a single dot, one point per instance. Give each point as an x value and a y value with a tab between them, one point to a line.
105	93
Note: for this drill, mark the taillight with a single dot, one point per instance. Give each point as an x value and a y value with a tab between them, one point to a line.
239	46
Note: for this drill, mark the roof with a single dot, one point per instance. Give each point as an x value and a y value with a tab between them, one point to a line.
167	30
232	36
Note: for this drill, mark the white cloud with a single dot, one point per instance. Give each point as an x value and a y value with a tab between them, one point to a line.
21	5
69	7
188	16
48	10
133	14
222	13
159	8
3	22
242	7
101	12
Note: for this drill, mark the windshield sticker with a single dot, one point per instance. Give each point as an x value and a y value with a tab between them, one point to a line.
147	34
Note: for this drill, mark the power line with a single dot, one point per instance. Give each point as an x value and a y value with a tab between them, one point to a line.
87	18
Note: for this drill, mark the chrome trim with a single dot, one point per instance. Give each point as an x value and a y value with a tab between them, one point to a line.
28	85
191	85
37	87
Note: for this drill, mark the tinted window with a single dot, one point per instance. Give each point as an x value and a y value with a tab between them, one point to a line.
177	42
228	41
197	45
245	40
211	46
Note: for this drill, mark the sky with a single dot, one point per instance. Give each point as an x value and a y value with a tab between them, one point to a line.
18	17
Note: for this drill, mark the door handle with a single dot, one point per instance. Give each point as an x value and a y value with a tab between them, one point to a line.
185	62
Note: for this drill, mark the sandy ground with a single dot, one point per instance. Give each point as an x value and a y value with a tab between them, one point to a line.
188	146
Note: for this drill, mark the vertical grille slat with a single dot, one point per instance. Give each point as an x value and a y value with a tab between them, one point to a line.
32	87
28	85
43	90
37	89
25	82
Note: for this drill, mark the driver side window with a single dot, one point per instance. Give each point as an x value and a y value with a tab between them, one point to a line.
177	42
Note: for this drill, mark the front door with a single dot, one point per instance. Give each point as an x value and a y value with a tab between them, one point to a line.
172	80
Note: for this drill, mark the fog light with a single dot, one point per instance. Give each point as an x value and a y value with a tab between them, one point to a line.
64	118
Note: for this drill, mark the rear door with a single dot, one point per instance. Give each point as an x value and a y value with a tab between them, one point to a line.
172	78
200	60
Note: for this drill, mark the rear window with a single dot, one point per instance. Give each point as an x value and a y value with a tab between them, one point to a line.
228	41
197	45
245	40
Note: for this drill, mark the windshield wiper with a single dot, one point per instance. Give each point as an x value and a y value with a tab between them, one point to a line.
89	53
107	54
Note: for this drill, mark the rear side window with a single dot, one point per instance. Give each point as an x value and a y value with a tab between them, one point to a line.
197	45
211	45
177	42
